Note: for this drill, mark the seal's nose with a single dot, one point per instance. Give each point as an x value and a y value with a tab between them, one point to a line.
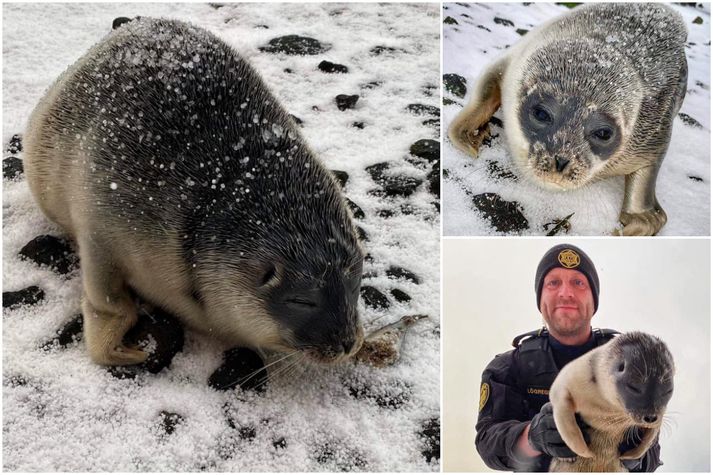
650	419
561	163
348	344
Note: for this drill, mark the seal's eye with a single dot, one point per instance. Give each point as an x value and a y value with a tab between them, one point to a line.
301	302
621	367
604	134
541	115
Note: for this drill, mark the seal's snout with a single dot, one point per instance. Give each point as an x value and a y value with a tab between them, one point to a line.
561	163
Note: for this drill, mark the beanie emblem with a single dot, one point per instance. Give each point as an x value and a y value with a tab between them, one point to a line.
569	259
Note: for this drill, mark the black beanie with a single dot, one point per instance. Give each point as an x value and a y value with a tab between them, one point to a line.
567	256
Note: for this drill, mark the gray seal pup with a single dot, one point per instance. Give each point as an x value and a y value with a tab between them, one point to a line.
616	388
166	158
588	95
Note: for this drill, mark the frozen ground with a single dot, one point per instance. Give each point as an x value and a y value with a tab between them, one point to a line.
477	34
63	413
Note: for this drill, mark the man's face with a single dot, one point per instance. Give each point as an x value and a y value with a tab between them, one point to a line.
566	304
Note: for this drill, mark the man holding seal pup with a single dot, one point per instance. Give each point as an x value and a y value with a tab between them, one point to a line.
516	429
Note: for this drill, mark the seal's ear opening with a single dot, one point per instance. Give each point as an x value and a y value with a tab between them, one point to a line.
262	274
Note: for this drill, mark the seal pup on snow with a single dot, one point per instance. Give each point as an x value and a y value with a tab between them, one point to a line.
616	388
588	95
180	177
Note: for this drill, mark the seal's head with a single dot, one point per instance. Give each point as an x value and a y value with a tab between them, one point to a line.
641	368
577	105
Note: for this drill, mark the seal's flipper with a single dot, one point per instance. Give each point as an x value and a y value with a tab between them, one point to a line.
646	442
566	422
470	127
641	213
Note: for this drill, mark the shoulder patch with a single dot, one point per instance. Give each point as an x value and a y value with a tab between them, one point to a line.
484	395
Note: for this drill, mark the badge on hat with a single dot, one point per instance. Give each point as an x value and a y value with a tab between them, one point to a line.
569	259
484	395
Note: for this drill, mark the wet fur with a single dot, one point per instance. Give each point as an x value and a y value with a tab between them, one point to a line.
643	97
587	386
166	158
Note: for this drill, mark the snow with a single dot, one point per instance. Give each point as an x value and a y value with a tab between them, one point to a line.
72	415
474	43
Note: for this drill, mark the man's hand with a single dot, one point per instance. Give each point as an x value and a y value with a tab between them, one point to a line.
543	435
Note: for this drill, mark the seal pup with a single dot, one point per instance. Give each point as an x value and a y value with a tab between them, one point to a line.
616	388
180	177
588	95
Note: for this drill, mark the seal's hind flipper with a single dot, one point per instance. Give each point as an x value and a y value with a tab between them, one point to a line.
470	127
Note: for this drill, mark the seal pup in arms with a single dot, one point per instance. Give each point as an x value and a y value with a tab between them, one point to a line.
619	388
589	95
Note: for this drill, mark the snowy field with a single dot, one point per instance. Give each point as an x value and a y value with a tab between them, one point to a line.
63	413
474	35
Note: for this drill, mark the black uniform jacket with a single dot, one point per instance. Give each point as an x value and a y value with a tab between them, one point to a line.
514	387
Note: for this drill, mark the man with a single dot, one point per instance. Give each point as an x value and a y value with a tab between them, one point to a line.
516	429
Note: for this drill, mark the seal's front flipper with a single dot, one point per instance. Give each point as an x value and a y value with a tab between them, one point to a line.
647	440
641	213
470	127
566	422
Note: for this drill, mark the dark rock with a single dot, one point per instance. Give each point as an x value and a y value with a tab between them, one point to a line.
455	84
279	443
569	4
377	171
429	89
357	212
496	171
27	296
484	28
449	102
521	31
431	436
362	234
247	433
400	296
288	70
435	123
393	396
52	252
14	381
426	148
695	178
68	334
329	67
407	209
160	334
450	21
504	216
262	27
385	213
398	185
341	176
297	120
169	421
688	120
698	20
503	21
371	85
119	21
434	180
495	121
702	85
295	45
558	225
124	372
12	168
374	298
379	50
238	366
422	109
358	125
345	101
401	273
340	458
15	144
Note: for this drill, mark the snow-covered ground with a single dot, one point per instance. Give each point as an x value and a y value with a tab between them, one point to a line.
63	413
476	35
